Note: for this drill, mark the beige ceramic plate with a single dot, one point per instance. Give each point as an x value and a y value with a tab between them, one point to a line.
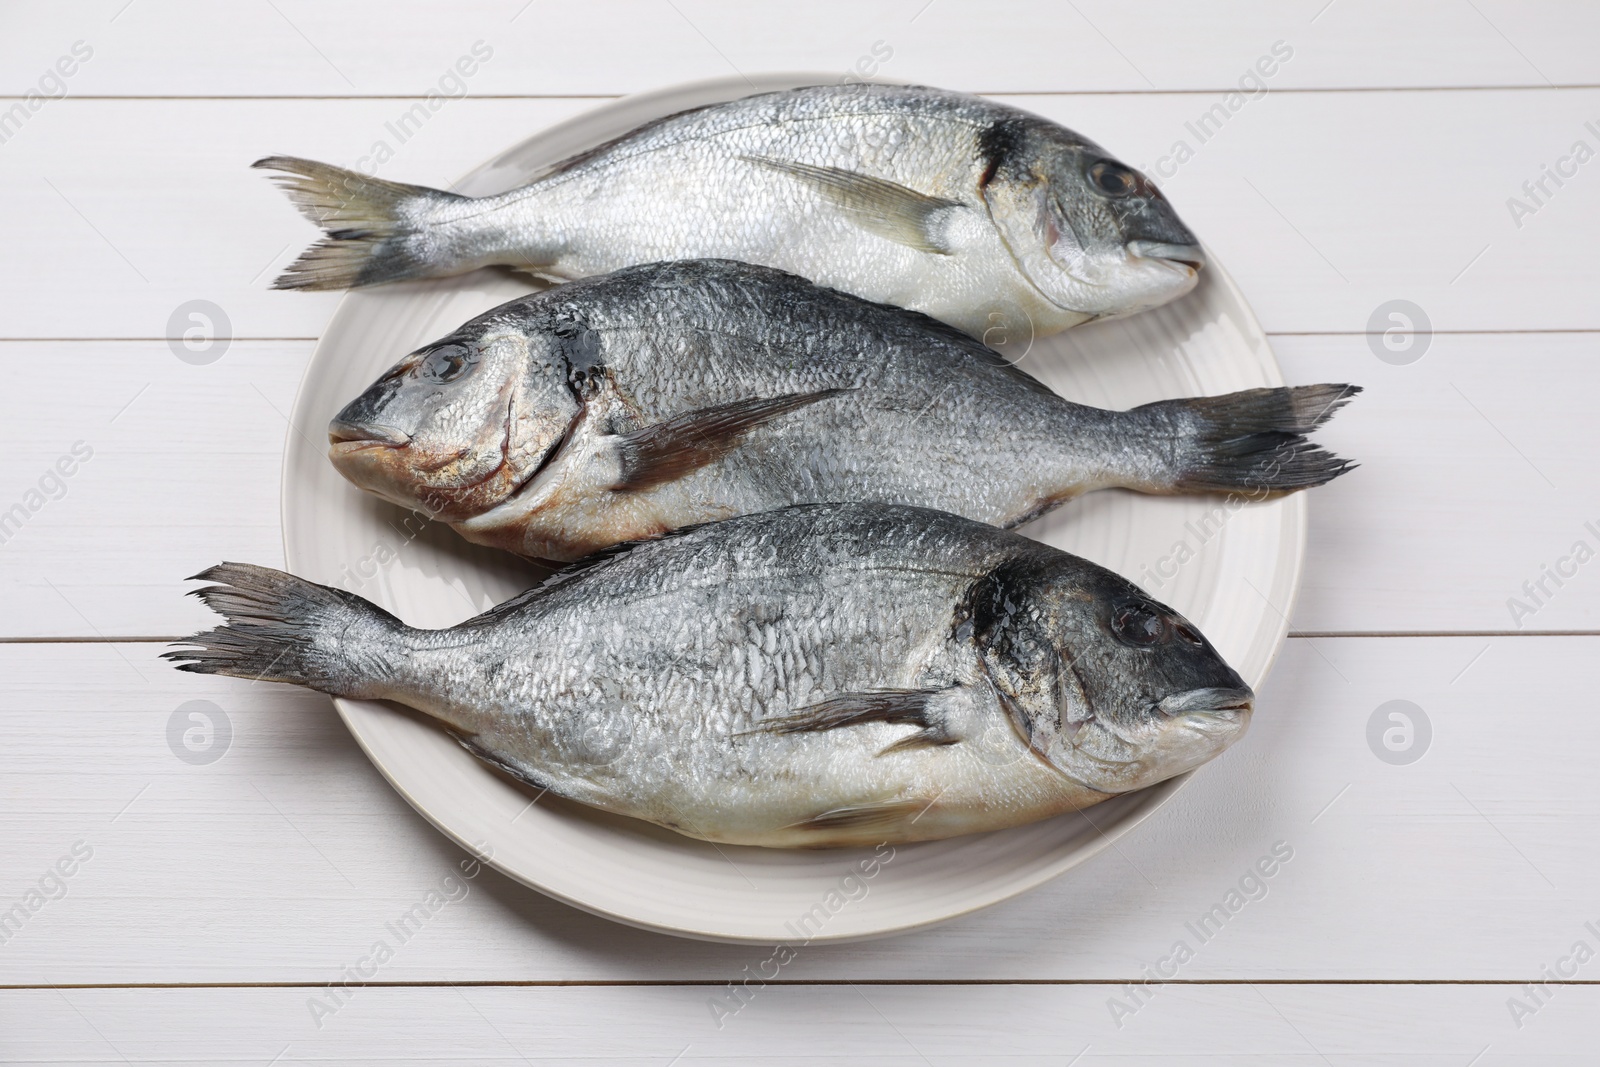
1232	571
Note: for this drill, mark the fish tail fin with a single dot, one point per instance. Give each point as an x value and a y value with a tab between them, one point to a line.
375	230
285	629
1252	442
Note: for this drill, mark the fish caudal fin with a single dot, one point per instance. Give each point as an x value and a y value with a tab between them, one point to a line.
1251	442
376	230
285	629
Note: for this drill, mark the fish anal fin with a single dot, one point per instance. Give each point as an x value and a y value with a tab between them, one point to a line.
668	450
882	817
877	205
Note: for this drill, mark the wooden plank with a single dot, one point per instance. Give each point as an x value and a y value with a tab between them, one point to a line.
283	860
294	47
187	460
115	227
1325	206
182	470
915	1026
1470	493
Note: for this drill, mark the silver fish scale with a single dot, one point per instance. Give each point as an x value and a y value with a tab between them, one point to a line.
617	408
899	132
681	645
973	212
827	675
584	217
934	418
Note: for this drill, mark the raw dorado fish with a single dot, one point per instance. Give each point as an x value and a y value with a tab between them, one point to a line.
620	407
976	213
820	676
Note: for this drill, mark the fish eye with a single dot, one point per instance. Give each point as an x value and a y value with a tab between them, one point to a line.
447	363
1138	625
1113	179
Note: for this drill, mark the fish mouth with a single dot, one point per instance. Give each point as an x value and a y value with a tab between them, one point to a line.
346	437
1190	256
1222	703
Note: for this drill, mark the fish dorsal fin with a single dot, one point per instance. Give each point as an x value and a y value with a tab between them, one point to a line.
877	205
671	449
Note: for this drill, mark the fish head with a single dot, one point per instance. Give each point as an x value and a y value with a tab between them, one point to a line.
457	426
1092	234
1114	689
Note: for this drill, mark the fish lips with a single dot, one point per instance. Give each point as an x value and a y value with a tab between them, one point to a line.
1214	701
387	462
355	436
374	457
1191	256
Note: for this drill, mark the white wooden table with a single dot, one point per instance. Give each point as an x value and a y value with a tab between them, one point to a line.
209	906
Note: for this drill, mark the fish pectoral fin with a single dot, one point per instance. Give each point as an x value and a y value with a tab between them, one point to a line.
885	208
882	817
684	443
918	707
